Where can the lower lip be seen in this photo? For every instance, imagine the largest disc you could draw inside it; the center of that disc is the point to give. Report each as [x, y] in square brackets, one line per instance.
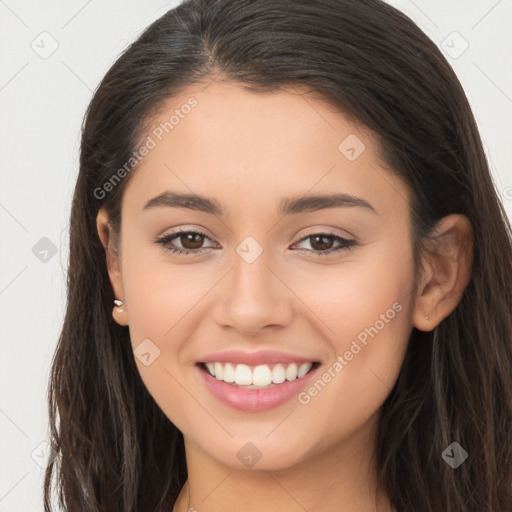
[255, 400]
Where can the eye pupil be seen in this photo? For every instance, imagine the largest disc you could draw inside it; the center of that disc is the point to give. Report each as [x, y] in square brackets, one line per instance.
[323, 245]
[189, 238]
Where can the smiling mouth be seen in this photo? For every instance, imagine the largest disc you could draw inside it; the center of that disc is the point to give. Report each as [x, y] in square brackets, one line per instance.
[257, 377]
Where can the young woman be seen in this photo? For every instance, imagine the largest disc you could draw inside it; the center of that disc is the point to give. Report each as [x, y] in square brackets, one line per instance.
[289, 275]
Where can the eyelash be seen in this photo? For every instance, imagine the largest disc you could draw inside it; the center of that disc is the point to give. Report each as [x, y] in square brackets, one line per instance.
[165, 240]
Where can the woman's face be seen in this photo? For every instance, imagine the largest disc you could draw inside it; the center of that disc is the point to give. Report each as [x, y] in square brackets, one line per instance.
[267, 282]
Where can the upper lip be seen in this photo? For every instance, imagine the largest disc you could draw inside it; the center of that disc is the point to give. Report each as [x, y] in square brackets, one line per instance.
[255, 358]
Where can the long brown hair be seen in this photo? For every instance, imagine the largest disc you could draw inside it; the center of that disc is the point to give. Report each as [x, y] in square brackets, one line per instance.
[116, 450]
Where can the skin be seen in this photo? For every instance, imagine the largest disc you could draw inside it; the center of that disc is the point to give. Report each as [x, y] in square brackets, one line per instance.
[248, 151]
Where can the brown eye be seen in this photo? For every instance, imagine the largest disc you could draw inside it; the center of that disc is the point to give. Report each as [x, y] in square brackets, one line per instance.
[322, 243]
[191, 240]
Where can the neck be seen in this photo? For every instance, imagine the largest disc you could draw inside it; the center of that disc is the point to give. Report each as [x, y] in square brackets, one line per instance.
[343, 474]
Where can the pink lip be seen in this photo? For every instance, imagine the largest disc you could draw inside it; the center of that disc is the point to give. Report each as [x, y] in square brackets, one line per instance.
[254, 400]
[254, 358]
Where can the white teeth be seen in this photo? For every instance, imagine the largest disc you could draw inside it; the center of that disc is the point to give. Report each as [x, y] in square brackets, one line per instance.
[303, 369]
[291, 372]
[229, 373]
[243, 375]
[278, 374]
[218, 370]
[262, 376]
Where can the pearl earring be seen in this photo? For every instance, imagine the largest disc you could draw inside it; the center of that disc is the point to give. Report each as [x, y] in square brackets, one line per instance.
[119, 313]
[119, 303]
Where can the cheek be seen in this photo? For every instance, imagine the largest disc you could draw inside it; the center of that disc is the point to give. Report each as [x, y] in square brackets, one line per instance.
[357, 293]
[164, 302]
[158, 304]
[367, 309]
[159, 292]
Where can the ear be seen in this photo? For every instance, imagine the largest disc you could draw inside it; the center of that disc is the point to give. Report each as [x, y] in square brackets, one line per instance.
[113, 260]
[447, 267]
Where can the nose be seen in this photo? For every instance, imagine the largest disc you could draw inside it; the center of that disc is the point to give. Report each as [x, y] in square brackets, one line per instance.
[253, 298]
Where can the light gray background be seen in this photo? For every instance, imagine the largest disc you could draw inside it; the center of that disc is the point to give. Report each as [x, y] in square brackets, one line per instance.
[42, 101]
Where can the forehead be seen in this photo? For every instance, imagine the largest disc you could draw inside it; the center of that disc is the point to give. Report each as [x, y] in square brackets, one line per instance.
[224, 141]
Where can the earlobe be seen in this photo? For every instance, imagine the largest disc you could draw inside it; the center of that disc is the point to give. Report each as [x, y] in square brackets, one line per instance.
[105, 234]
[447, 271]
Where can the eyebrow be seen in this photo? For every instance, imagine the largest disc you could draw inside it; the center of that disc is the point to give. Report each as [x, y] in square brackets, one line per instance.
[288, 206]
